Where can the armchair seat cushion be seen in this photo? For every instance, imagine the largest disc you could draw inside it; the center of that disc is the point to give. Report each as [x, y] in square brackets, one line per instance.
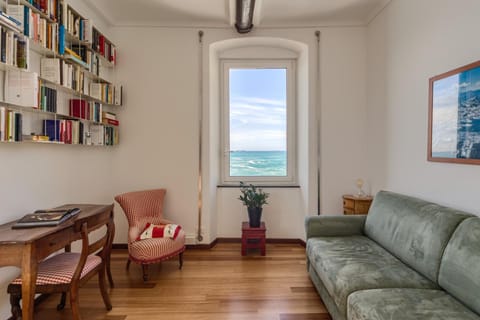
[352, 263]
[406, 304]
[59, 269]
[153, 250]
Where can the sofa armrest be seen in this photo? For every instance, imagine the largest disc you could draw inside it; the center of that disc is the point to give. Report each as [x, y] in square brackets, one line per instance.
[327, 226]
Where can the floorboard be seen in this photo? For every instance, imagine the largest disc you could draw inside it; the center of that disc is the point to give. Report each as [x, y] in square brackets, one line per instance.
[214, 284]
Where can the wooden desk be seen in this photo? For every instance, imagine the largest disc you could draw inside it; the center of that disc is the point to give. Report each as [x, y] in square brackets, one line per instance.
[25, 248]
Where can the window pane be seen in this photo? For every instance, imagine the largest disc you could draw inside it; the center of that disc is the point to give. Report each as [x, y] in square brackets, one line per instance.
[258, 122]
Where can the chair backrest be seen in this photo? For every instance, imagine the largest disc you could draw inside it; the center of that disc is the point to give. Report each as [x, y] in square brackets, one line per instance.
[100, 246]
[142, 207]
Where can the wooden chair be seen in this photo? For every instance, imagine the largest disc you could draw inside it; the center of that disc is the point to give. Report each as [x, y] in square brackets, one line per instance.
[142, 207]
[68, 271]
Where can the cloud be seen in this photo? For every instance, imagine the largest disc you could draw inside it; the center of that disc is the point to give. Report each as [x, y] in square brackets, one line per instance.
[257, 124]
[261, 101]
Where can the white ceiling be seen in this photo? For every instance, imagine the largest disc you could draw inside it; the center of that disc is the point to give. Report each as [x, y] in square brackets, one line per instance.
[221, 13]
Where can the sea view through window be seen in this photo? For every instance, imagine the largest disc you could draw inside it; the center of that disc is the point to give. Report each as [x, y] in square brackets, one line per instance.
[257, 122]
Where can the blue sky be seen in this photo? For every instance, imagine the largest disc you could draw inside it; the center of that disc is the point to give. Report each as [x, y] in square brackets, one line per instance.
[258, 109]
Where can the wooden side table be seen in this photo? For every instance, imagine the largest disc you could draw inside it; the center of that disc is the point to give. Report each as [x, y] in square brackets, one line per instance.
[253, 238]
[356, 205]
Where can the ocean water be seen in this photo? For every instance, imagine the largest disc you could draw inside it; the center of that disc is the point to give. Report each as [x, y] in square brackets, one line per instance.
[258, 163]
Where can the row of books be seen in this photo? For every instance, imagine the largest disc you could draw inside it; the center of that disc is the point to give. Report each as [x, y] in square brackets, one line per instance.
[87, 110]
[38, 29]
[14, 48]
[49, 7]
[52, 36]
[10, 125]
[64, 131]
[75, 24]
[78, 132]
[109, 118]
[66, 74]
[110, 136]
[106, 92]
[104, 47]
[83, 56]
[47, 99]
[72, 76]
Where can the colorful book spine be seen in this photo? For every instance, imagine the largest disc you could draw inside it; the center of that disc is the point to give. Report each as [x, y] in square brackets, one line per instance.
[61, 40]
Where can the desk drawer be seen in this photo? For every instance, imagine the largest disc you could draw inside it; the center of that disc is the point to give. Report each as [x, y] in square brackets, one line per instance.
[55, 242]
[348, 203]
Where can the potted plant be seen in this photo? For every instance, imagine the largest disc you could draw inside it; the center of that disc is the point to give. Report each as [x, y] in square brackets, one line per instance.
[253, 198]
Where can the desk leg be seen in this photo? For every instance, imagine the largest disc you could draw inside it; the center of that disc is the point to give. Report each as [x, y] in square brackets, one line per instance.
[107, 259]
[29, 277]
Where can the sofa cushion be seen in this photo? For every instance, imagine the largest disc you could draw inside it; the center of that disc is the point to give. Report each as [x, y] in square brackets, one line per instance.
[414, 230]
[406, 304]
[349, 264]
[460, 268]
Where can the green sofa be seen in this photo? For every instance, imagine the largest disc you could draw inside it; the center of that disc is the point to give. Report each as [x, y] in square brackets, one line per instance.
[406, 259]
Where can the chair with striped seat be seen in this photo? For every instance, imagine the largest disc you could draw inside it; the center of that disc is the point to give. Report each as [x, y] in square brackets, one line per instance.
[141, 208]
[68, 271]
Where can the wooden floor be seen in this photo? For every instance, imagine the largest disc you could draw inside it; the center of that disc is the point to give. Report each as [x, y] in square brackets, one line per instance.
[213, 284]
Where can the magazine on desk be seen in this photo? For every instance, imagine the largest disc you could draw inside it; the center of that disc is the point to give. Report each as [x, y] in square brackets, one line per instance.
[46, 218]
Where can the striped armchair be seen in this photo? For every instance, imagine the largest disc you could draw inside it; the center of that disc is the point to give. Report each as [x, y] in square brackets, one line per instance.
[142, 207]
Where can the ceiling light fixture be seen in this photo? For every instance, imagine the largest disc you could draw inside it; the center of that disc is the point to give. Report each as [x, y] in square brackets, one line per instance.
[244, 15]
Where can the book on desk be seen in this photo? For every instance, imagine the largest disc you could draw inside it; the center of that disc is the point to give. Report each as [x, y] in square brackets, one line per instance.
[45, 218]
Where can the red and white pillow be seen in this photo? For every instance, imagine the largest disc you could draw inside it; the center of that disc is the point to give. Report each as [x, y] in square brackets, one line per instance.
[160, 231]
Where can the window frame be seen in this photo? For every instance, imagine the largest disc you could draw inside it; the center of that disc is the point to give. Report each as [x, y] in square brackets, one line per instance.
[290, 66]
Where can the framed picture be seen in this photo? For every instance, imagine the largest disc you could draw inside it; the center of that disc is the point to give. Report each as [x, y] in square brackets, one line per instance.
[454, 116]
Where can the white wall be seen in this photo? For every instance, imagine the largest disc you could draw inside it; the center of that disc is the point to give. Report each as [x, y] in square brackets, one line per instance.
[159, 68]
[159, 134]
[409, 42]
[43, 176]
[343, 116]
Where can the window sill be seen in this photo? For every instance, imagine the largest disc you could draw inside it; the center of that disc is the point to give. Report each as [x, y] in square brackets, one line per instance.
[278, 186]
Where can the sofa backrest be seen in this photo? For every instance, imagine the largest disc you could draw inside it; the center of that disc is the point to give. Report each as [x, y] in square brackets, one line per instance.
[414, 230]
[460, 266]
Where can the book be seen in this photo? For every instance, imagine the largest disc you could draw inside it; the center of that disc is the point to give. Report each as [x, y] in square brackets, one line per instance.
[79, 108]
[3, 121]
[97, 135]
[22, 53]
[51, 128]
[110, 122]
[50, 69]
[17, 12]
[21, 88]
[61, 39]
[109, 115]
[46, 218]
[17, 135]
[118, 93]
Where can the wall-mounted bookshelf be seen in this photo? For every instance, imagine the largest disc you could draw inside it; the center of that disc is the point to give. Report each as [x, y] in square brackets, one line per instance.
[65, 95]
[104, 48]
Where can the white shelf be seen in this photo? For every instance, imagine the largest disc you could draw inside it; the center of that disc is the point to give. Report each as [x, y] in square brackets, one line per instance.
[33, 122]
[74, 92]
[34, 9]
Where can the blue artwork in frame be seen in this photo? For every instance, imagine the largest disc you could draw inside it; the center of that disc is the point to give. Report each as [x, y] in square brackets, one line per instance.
[454, 116]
